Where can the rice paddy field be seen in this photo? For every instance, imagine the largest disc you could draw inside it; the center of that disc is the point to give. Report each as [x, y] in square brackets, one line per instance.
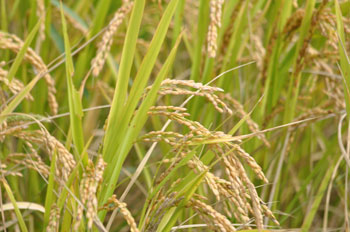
[174, 115]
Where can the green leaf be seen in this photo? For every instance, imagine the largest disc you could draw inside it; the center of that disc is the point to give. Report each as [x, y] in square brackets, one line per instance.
[114, 167]
[200, 35]
[121, 112]
[75, 107]
[148, 62]
[141, 78]
[166, 218]
[112, 132]
[316, 203]
[344, 60]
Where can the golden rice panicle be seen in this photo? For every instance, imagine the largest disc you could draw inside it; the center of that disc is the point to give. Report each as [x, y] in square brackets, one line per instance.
[233, 189]
[127, 216]
[95, 180]
[217, 218]
[65, 160]
[123, 210]
[100, 167]
[197, 166]
[167, 111]
[9, 128]
[212, 40]
[92, 177]
[84, 193]
[229, 30]
[172, 138]
[255, 200]
[15, 86]
[36, 161]
[180, 87]
[54, 219]
[13, 43]
[244, 194]
[215, 23]
[173, 108]
[251, 162]
[229, 190]
[7, 172]
[28, 160]
[107, 38]
[258, 50]
[91, 200]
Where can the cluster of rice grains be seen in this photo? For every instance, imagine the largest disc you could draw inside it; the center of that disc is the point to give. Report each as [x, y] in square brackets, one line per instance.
[17, 126]
[321, 63]
[237, 193]
[15, 86]
[323, 60]
[54, 220]
[41, 138]
[92, 177]
[215, 23]
[107, 38]
[13, 43]
[114, 203]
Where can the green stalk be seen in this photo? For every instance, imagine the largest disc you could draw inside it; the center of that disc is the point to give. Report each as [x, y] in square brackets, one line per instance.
[75, 105]
[120, 93]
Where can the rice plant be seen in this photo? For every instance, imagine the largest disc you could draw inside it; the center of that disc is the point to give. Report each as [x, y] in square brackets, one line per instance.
[174, 115]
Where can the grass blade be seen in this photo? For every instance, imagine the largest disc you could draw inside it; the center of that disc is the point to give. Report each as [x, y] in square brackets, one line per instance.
[120, 93]
[75, 107]
[142, 76]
